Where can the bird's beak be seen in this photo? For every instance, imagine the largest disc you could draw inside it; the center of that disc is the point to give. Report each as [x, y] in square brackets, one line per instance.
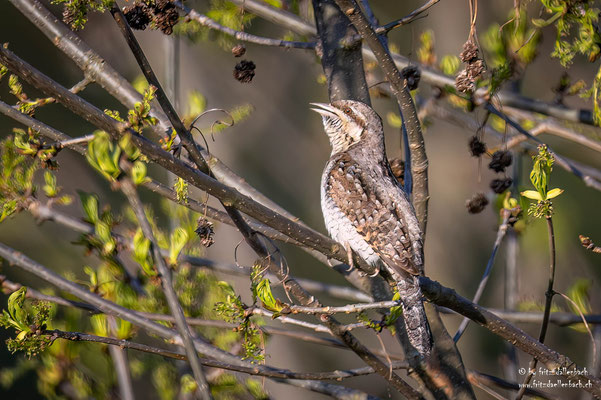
[325, 109]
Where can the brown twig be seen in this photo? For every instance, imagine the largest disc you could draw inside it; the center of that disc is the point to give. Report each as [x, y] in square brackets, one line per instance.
[406, 19]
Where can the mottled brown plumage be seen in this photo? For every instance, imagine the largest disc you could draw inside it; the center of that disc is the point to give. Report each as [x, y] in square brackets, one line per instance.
[367, 211]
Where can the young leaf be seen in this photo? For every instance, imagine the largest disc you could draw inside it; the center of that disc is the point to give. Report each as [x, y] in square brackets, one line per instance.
[554, 193]
[266, 296]
[138, 173]
[179, 238]
[50, 188]
[532, 194]
[89, 203]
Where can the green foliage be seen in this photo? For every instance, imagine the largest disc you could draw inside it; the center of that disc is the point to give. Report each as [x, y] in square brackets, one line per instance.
[142, 253]
[575, 22]
[197, 104]
[514, 43]
[179, 239]
[50, 188]
[263, 293]
[28, 323]
[75, 12]
[225, 13]
[138, 173]
[425, 51]
[102, 239]
[103, 155]
[579, 294]
[449, 64]
[539, 176]
[16, 178]
[181, 190]
[233, 310]
[139, 117]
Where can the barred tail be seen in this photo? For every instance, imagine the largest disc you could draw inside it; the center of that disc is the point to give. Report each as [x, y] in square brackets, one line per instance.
[414, 314]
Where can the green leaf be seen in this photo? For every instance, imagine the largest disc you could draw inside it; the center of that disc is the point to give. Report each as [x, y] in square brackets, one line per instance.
[554, 193]
[99, 324]
[266, 296]
[138, 173]
[142, 253]
[197, 104]
[103, 155]
[103, 232]
[579, 293]
[50, 188]
[8, 209]
[89, 203]
[449, 64]
[394, 120]
[532, 194]
[181, 191]
[179, 238]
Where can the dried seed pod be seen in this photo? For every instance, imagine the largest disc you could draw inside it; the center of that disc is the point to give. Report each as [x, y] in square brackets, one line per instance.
[470, 51]
[165, 16]
[477, 147]
[244, 71]
[501, 159]
[238, 50]
[477, 203]
[500, 185]
[463, 83]
[205, 232]
[138, 16]
[412, 75]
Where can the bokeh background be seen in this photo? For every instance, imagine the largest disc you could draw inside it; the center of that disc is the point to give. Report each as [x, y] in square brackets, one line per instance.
[281, 150]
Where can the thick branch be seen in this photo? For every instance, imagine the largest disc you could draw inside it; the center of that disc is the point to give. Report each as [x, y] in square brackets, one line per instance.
[553, 360]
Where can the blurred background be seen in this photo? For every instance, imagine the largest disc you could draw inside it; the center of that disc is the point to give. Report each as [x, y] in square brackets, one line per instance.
[280, 149]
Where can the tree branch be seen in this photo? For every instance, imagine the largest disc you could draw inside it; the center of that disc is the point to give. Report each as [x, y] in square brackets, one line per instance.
[406, 19]
[553, 360]
[429, 75]
[203, 20]
[128, 188]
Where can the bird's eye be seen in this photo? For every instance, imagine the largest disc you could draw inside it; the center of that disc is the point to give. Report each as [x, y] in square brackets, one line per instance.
[347, 110]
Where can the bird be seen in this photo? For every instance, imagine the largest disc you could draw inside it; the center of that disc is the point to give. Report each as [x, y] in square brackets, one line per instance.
[366, 210]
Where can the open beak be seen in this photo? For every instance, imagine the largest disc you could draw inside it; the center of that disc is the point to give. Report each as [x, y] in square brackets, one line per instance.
[325, 109]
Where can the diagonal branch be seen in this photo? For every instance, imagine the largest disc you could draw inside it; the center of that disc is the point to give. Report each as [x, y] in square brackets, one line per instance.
[553, 360]
[203, 20]
[406, 19]
[129, 189]
[224, 193]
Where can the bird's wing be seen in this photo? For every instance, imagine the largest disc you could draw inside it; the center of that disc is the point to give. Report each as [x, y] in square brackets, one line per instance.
[373, 212]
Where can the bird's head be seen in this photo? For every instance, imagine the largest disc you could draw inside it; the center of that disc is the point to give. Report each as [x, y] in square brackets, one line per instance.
[347, 122]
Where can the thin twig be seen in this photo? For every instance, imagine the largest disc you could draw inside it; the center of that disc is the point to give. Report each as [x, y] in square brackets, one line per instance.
[348, 308]
[270, 372]
[406, 19]
[128, 188]
[491, 260]
[587, 327]
[203, 20]
[548, 300]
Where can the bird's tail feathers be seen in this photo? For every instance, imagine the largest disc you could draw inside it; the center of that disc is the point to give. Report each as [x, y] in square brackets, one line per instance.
[414, 315]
